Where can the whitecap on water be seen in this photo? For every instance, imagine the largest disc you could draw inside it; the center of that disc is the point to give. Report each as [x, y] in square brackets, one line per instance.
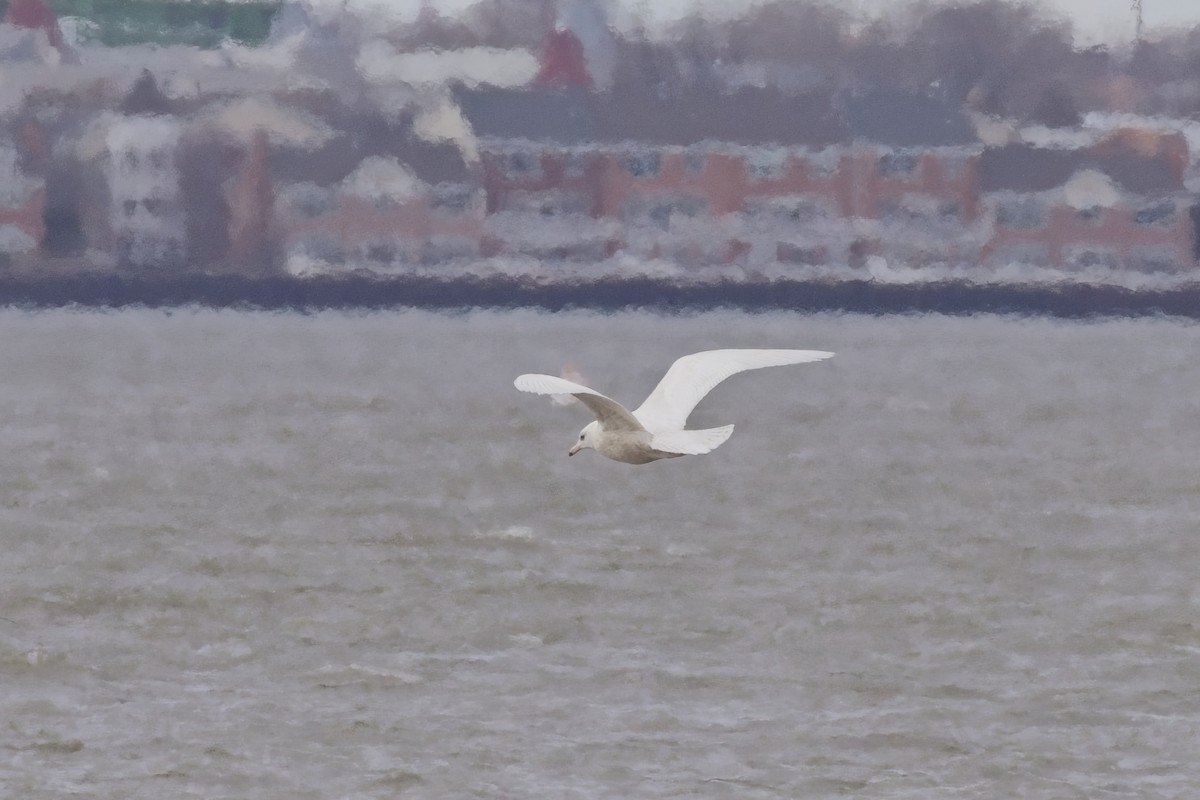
[522, 533]
[332, 676]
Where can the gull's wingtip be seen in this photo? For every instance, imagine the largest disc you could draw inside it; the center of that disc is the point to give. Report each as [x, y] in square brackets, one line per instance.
[536, 383]
[798, 356]
[528, 382]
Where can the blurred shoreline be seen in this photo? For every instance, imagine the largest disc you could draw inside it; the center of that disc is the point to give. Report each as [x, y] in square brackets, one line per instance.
[279, 293]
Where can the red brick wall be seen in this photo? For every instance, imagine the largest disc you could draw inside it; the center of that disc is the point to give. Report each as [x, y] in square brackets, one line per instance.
[28, 217]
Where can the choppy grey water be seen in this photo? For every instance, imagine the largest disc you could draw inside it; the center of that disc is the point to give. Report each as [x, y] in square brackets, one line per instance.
[252, 555]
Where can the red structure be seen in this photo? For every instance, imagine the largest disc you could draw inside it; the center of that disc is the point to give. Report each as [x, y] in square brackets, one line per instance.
[563, 63]
[34, 14]
[27, 217]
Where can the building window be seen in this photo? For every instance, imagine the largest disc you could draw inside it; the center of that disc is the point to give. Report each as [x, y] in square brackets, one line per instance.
[953, 167]
[1160, 214]
[897, 165]
[1153, 259]
[382, 202]
[694, 163]
[452, 198]
[789, 253]
[323, 247]
[643, 165]
[1021, 212]
[309, 200]
[686, 207]
[546, 203]
[919, 208]
[381, 252]
[522, 165]
[574, 165]
[1081, 258]
[765, 165]
[660, 211]
[823, 164]
[949, 210]
[789, 209]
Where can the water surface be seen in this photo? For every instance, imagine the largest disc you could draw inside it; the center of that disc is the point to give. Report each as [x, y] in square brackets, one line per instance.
[339, 556]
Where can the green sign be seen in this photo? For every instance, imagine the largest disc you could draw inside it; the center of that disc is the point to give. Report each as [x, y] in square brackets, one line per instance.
[199, 23]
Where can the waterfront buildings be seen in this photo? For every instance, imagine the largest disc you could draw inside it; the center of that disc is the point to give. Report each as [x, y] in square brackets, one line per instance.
[271, 155]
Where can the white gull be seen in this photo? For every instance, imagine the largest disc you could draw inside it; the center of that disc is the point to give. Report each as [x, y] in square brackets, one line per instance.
[654, 430]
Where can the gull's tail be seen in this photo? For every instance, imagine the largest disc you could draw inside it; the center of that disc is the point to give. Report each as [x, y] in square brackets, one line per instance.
[691, 443]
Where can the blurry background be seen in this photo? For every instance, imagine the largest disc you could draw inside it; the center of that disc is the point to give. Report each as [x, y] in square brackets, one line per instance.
[576, 139]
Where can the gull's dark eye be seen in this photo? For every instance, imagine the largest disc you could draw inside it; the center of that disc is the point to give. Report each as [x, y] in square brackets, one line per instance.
[581, 437]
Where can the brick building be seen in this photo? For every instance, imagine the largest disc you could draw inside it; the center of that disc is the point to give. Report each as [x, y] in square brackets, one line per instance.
[22, 204]
[1118, 204]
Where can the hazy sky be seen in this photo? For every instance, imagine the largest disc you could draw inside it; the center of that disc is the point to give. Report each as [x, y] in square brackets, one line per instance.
[1095, 20]
[1110, 20]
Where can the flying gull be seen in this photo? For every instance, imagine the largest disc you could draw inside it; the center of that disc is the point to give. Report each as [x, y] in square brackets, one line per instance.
[654, 430]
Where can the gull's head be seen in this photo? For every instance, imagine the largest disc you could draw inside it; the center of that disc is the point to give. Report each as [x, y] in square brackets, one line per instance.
[587, 438]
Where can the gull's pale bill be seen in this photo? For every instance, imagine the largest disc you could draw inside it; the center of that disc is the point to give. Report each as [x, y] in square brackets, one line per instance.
[654, 430]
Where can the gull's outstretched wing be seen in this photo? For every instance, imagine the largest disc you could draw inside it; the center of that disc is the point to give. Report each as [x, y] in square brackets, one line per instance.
[690, 378]
[612, 415]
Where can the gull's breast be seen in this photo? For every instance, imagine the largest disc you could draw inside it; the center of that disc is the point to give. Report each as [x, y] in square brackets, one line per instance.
[630, 447]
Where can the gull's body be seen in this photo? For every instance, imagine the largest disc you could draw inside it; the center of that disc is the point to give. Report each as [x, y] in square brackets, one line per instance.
[654, 430]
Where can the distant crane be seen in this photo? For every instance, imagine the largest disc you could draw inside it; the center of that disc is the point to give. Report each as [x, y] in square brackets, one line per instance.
[1137, 17]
